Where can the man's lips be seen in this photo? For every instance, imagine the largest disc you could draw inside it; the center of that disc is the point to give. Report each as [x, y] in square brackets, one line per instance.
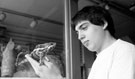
[86, 43]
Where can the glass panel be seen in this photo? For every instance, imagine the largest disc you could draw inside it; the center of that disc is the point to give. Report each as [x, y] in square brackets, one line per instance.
[73, 69]
[31, 27]
[67, 43]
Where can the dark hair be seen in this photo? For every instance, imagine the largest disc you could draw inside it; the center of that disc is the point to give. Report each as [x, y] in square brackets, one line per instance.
[96, 15]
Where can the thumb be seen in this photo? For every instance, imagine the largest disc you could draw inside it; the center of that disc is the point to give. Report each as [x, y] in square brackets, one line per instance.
[33, 63]
[48, 62]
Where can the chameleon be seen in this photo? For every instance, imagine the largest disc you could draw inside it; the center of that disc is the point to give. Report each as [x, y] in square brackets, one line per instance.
[40, 51]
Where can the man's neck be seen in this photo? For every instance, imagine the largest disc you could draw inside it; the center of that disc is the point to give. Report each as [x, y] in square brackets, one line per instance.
[108, 40]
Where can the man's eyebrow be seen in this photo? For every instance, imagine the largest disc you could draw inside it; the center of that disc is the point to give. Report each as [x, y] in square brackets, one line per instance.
[82, 25]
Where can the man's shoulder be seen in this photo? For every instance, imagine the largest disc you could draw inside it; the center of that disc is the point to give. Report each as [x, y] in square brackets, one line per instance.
[125, 44]
[125, 48]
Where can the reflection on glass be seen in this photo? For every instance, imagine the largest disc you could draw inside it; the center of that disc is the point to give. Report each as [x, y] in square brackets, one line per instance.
[31, 27]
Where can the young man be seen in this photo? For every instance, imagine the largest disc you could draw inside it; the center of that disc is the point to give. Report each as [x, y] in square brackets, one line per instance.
[115, 57]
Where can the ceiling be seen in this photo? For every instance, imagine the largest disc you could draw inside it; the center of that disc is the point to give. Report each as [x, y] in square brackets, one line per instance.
[52, 14]
[52, 11]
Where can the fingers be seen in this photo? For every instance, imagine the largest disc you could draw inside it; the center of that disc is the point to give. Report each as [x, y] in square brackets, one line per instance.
[47, 62]
[33, 63]
[47, 59]
[36, 66]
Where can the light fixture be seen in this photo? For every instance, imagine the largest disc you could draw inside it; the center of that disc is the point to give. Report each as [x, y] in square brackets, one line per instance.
[107, 7]
[132, 7]
[2, 16]
[104, 5]
[33, 23]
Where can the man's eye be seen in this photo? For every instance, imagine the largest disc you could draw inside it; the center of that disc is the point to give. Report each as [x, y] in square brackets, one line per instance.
[84, 27]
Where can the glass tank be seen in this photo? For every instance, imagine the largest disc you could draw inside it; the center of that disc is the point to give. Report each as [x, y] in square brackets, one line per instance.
[34, 28]
[42, 31]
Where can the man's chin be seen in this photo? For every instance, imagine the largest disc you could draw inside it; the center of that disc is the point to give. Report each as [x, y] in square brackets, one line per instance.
[91, 49]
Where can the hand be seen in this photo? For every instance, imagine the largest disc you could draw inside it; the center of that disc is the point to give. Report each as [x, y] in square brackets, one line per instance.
[47, 71]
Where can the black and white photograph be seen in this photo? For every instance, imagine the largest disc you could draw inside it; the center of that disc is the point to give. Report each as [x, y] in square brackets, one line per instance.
[67, 39]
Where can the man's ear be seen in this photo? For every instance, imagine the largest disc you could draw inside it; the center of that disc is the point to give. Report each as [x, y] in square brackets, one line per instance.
[105, 25]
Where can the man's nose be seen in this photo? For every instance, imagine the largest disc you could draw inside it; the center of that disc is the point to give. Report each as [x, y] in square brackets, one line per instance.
[81, 36]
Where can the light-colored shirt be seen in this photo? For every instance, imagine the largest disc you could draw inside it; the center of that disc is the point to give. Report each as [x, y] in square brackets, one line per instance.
[115, 62]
